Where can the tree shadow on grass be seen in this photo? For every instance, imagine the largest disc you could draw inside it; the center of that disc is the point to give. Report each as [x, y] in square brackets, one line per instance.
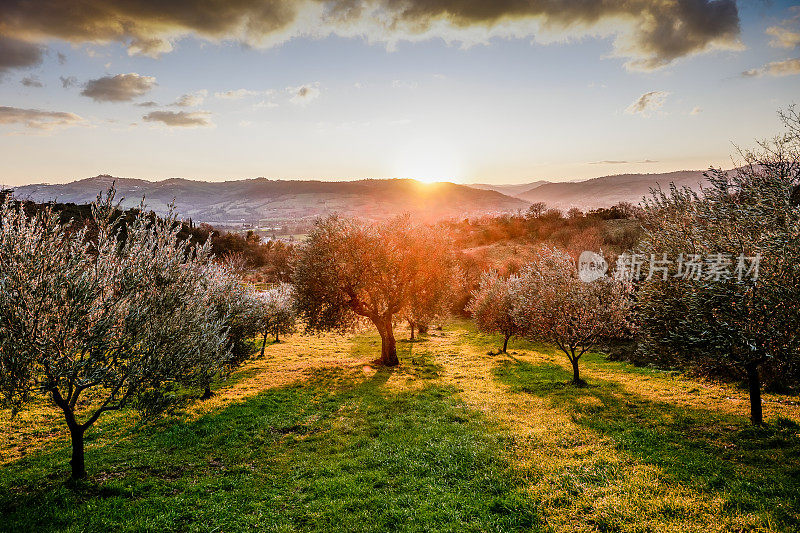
[337, 452]
[754, 469]
[415, 361]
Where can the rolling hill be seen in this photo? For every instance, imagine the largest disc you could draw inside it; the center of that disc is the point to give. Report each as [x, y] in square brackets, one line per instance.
[609, 190]
[510, 190]
[253, 200]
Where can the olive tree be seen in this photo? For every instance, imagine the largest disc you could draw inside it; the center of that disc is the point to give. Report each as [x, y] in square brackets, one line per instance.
[233, 303]
[493, 306]
[95, 324]
[349, 270]
[275, 312]
[555, 306]
[739, 306]
[430, 301]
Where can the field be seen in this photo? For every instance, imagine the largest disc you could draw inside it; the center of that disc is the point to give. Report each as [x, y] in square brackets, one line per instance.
[315, 437]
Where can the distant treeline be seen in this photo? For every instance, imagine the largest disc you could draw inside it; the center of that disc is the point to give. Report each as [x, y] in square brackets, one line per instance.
[263, 261]
[613, 229]
[479, 241]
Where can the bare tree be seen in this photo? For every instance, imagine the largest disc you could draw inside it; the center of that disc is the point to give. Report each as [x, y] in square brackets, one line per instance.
[536, 210]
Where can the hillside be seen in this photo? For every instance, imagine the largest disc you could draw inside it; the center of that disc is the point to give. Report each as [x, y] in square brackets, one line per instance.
[510, 190]
[314, 437]
[254, 200]
[609, 190]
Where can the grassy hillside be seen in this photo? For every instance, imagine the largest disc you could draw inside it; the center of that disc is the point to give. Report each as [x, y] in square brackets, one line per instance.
[313, 437]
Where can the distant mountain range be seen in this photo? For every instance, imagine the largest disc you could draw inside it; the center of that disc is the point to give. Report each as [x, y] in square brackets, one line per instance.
[510, 190]
[599, 192]
[609, 190]
[256, 200]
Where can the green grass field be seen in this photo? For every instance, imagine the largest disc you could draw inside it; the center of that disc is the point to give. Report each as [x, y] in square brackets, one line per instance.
[313, 438]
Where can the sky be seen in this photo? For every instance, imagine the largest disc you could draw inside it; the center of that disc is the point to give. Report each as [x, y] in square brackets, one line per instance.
[469, 91]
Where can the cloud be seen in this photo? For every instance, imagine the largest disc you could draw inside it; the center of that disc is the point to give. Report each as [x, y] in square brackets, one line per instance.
[400, 84]
[696, 111]
[787, 34]
[236, 94]
[62, 59]
[783, 37]
[647, 103]
[649, 33]
[181, 119]
[149, 103]
[15, 53]
[119, 88]
[37, 119]
[31, 81]
[621, 162]
[303, 94]
[69, 81]
[787, 67]
[191, 99]
[266, 104]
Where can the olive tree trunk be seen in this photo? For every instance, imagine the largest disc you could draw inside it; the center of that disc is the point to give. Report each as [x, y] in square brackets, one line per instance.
[576, 376]
[754, 382]
[76, 432]
[77, 462]
[264, 344]
[388, 344]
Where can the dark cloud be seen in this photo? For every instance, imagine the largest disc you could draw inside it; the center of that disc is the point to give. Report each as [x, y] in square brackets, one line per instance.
[119, 88]
[31, 81]
[788, 67]
[15, 53]
[37, 119]
[651, 33]
[182, 119]
[149, 103]
[69, 81]
[62, 59]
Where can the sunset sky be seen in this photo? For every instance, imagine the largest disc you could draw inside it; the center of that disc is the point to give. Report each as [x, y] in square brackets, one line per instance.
[460, 90]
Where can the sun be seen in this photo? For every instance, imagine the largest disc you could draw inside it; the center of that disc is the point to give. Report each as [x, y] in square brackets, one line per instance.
[429, 162]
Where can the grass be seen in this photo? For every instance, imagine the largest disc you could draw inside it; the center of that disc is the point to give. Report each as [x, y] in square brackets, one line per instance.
[338, 450]
[754, 471]
[314, 438]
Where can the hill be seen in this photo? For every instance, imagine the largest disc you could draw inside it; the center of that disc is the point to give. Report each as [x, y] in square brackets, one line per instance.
[254, 200]
[510, 190]
[609, 190]
[313, 437]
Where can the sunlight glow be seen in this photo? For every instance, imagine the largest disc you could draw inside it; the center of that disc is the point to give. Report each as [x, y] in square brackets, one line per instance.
[429, 161]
